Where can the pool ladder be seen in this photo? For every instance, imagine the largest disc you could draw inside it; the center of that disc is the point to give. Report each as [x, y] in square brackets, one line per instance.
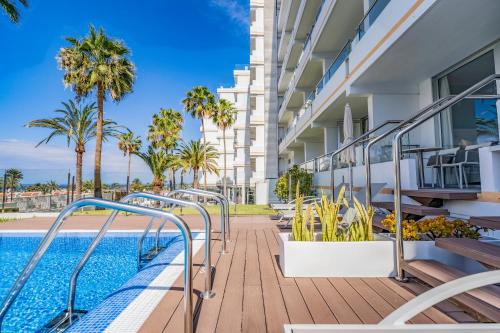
[64, 320]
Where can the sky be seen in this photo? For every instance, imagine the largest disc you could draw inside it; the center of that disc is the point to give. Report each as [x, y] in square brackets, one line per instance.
[175, 45]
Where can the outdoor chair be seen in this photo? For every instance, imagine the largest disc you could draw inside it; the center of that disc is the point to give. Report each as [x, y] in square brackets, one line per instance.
[444, 156]
[467, 157]
[434, 163]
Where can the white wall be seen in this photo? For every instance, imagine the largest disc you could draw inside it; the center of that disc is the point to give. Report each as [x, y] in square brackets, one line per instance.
[383, 107]
[313, 149]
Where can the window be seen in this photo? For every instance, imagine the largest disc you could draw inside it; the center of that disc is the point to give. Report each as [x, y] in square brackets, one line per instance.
[474, 120]
[253, 164]
[253, 133]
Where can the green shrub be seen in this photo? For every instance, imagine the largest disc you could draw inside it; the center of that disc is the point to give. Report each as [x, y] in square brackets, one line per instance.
[303, 221]
[298, 176]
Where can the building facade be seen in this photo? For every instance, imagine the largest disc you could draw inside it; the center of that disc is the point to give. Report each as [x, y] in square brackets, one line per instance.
[389, 59]
[251, 143]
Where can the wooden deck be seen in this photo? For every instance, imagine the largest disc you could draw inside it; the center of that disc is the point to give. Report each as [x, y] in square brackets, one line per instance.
[253, 296]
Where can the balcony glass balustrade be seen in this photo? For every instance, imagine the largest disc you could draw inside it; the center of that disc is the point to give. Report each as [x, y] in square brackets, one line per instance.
[376, 8]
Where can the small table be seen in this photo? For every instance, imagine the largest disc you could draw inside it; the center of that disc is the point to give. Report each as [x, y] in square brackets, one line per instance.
[419, 152]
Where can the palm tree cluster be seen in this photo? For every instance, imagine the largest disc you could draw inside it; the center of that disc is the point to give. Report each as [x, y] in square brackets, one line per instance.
[45, 188]
[99, 66]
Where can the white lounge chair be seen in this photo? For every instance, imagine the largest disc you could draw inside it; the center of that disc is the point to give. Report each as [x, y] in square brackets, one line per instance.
[396, 321]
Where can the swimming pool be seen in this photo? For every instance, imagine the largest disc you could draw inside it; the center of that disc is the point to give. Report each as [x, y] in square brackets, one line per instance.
[45, 295]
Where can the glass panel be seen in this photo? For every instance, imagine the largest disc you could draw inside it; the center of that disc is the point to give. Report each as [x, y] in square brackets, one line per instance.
[471, 121]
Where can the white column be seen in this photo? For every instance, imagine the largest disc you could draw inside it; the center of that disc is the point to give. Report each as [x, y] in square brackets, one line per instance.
[330, 137]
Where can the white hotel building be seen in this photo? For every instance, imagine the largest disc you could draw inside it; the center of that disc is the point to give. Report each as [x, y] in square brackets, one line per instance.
[387, 59]
[252, 140]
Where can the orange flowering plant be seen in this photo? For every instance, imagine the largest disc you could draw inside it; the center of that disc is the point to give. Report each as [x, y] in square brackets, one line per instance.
[437, 227]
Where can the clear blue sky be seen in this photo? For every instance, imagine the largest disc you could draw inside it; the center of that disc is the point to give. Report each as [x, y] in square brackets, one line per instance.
[175, 46]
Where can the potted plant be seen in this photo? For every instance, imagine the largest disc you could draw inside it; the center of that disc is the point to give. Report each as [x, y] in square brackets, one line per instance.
[345, 247]
[419, 237]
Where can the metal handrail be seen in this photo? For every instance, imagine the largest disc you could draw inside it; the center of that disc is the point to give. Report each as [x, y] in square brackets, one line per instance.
[223, 208]
[396, 153]
[341, 149]
[141, 241]
[384, 135]
[438, 294]
[207, 293]
[226, 204]
[116, 206]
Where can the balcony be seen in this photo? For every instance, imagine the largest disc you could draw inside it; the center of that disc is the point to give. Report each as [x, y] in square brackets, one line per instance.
[370, 17]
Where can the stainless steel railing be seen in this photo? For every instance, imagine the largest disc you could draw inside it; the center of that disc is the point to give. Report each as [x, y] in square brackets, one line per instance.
[224, 209]
[354, 142]
[380, 137]
[116, 206]
[207, 293]
[226, 203]
[396, 153]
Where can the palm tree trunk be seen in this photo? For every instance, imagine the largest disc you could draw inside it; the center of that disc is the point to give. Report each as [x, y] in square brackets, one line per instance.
[11, 188]
[225, 158]
[98, 141]
[79, 163]
[195, 177]
[204, 171]
[128, 172]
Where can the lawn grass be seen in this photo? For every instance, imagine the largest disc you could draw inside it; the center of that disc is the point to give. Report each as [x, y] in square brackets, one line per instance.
[5, 219]
[212, 209]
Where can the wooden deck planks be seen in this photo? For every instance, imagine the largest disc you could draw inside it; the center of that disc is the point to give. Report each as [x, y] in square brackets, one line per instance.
[274, 304]
[209, 314]
[231, 312]
[364, 310]
[394, 299]
[254, 319]
[317, 306]
[340, 308]
[176, 322]
[434, 314]
[253, 296]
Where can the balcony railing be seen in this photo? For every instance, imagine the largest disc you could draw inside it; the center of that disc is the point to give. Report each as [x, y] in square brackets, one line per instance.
[339, 60]
[370, 16]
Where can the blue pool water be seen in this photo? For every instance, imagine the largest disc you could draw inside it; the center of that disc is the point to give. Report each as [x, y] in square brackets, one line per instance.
[45, 295]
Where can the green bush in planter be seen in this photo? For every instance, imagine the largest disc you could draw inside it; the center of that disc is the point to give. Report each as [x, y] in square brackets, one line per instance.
[298, 176]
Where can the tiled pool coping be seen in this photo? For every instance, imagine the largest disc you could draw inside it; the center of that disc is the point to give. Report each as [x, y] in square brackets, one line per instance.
[126, 309]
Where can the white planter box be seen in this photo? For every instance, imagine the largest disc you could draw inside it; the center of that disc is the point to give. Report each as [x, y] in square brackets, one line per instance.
[361, 259]
[336, 259]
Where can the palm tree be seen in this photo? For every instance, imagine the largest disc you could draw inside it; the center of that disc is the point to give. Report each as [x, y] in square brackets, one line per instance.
[176, 163]
[11, 10]
[14, 177]
[97, 63]
[129, 144]
[165, 129]
[200, 103]
[164, 132]
[224, 117]
[198, 156]
[158, 162]
[77, 123]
